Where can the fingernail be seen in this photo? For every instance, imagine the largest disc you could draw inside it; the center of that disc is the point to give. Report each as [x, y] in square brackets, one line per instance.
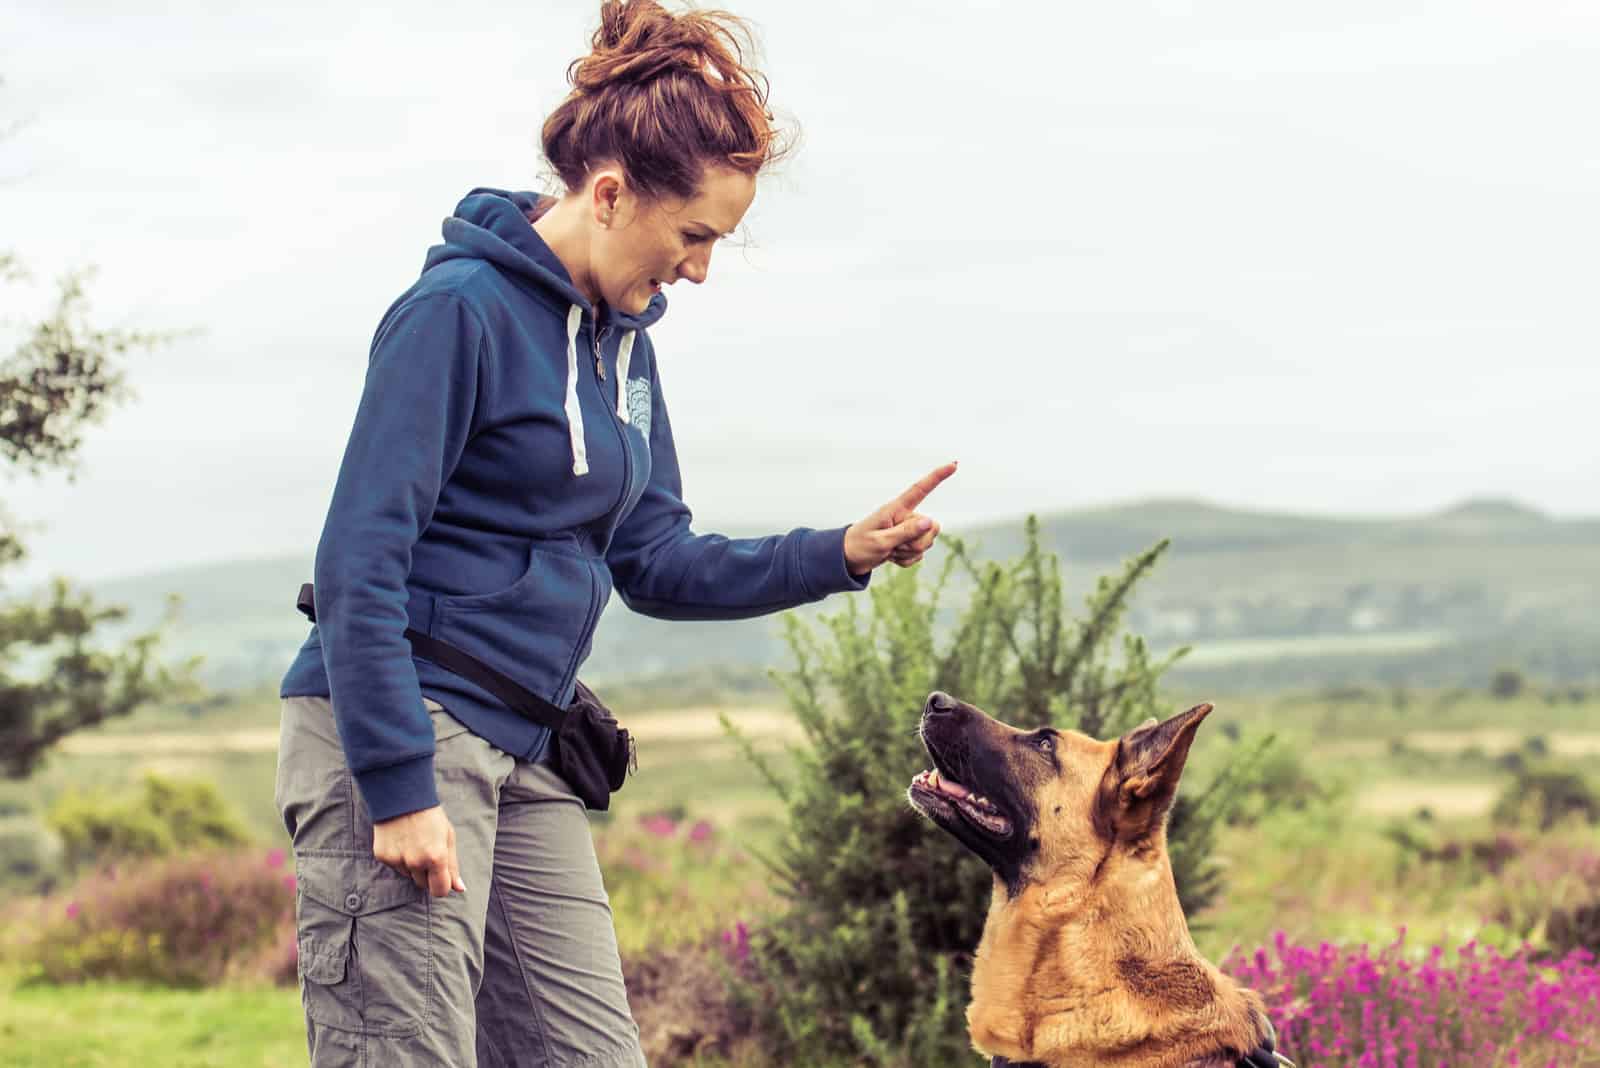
[925, 524]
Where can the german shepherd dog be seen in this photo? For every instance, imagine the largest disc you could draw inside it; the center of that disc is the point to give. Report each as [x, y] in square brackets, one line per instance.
[1085, 958]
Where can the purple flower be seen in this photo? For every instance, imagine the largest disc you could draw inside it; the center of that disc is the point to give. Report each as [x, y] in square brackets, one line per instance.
[661, 826]
[1390, 1009]
[736, 939]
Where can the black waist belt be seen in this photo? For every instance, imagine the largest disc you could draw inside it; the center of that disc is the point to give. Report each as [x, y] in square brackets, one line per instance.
[519, 698]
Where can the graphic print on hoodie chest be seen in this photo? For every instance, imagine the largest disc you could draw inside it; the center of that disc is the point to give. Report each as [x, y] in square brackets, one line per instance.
[639, 406]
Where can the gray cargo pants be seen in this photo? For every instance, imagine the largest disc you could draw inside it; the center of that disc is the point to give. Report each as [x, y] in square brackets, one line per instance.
[522, 969]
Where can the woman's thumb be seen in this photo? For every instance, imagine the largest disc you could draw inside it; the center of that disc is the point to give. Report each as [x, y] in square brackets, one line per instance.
[910, 528]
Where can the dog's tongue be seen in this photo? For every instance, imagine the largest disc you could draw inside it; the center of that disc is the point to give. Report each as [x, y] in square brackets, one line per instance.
[945, 786]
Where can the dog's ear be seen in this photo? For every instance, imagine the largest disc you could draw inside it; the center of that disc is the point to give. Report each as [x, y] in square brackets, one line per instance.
[1139, 785]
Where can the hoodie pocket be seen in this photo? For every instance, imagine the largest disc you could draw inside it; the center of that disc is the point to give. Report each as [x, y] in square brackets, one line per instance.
[538, 629]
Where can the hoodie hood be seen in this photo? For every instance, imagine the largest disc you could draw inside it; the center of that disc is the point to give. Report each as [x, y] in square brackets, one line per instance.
[496, 225]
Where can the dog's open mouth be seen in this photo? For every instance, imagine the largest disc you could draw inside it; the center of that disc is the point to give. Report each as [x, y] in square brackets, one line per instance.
[937, 795]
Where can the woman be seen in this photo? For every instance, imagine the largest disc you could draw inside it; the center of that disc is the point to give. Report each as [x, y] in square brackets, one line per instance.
[510, 464]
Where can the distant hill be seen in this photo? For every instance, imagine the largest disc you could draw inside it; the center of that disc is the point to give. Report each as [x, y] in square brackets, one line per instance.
[1266, 599]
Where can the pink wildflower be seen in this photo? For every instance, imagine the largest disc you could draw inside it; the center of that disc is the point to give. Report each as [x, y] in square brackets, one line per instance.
[659, 825]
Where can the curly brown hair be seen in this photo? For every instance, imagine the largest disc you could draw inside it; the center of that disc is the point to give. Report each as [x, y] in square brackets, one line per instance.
[663, 96]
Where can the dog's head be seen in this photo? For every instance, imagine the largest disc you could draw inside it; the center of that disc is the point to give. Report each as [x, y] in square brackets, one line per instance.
[1034, 803]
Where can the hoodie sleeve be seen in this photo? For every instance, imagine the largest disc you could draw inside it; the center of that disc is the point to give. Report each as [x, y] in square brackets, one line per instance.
[661, 568]
[411, 426]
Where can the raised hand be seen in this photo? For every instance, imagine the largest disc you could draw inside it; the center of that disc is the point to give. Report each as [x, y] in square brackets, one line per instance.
[897, 531]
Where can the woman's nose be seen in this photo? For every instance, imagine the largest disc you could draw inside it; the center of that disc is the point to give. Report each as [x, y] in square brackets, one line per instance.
[695, 269]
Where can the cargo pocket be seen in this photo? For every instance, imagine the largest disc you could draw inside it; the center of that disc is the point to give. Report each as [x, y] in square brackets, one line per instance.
[364, 945]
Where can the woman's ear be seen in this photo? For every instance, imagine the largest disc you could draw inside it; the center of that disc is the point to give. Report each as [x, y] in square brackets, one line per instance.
[606, 189]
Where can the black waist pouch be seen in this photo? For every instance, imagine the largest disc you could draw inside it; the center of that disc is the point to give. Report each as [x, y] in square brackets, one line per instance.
[589, 749]
[592, 751]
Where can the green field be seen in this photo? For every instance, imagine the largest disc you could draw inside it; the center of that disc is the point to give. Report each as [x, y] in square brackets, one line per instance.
[1330, 871]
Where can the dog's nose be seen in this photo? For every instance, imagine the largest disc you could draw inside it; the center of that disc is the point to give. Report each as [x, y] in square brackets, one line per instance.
[941, 702]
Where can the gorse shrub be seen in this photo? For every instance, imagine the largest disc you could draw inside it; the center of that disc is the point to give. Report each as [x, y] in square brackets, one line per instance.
[871, 954]
[181, 921]
[164, 816]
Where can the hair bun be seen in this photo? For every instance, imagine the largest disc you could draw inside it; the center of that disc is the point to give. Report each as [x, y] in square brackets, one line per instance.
[639, 40]
[665, 95]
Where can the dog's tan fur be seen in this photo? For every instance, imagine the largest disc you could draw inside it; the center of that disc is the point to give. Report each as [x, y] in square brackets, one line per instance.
[1086, 957]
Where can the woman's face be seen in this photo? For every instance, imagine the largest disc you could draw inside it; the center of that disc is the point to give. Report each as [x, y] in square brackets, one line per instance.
[652, 243]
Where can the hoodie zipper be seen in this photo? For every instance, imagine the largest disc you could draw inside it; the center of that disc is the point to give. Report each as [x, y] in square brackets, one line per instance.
[593, 616]
[589, 621]
[616, 425]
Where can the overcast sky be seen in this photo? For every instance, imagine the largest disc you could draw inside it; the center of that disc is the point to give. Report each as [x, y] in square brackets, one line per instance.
[1335, 257]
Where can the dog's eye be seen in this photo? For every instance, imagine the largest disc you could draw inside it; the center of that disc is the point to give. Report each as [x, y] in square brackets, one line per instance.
[1046, 743]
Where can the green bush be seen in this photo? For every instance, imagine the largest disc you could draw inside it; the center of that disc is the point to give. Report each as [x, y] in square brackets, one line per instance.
[1507, 683]
[164, 816]
[30, 855]
[882, 912]
[1280, 780]
[1546, 796]
[192, 920]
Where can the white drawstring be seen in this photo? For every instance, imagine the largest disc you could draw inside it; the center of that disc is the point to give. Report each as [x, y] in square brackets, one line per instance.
[580, 455]
[624, 354]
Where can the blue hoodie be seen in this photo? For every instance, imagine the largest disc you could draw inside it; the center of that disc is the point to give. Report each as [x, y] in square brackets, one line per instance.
[509, 464]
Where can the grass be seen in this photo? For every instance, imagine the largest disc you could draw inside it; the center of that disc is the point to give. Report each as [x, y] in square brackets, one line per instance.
[100, 1025]
[118, 1025]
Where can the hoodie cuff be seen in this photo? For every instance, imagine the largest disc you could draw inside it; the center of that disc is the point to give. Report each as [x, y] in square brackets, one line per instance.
[822, 565]
[399, 788]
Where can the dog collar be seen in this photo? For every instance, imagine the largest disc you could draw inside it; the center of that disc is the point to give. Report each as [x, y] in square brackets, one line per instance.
[1263, 1056]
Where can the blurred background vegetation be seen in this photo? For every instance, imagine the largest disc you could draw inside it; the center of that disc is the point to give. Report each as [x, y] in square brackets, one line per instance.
[776, 901]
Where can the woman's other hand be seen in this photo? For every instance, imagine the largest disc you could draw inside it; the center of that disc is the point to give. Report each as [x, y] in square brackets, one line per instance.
[897, 531]
[421, 845]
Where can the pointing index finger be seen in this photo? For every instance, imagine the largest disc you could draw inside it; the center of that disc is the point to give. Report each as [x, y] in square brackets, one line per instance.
[925, 485]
